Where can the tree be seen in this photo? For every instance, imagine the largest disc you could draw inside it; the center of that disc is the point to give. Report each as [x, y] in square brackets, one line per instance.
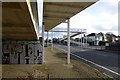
[109, 37]
[89, 41]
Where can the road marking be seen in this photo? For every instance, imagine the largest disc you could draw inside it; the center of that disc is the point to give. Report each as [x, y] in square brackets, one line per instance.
[108, 75]
[92, 62]
[97, 64]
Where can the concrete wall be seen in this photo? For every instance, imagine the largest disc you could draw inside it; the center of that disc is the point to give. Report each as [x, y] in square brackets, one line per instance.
[21, 52]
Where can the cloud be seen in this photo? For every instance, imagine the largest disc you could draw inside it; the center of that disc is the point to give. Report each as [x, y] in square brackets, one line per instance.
[100, 17]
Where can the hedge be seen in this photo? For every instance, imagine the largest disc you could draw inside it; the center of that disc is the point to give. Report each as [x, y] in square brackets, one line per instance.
[102, 43]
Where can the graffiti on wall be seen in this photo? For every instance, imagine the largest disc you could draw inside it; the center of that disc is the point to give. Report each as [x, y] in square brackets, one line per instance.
[27, 52]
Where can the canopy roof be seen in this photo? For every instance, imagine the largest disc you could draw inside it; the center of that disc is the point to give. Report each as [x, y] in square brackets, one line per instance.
[20, 19]
[17, 23]
[57, 12]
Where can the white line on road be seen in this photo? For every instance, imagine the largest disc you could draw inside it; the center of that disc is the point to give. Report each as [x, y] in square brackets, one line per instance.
[97, 64]
[92, 62]
[107, 75]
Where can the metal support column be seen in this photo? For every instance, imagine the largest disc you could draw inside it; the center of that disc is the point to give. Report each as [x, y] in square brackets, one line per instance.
[81, 39]
[86, 39]
[43, 28]
[47, 39]
[52, 40]
[68, 42]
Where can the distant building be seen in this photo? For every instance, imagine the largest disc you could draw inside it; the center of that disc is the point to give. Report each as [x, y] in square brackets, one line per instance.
[112, 38]
[94, 38]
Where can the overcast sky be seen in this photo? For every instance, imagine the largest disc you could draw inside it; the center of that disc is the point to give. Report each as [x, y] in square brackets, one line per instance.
[99, 17]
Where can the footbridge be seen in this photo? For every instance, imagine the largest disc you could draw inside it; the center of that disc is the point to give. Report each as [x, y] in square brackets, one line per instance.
[73, 31]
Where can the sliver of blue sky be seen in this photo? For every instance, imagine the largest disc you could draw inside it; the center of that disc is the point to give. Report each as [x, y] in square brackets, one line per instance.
[99, 17]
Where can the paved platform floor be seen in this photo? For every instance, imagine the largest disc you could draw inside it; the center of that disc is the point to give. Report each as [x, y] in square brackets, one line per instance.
[58, 68]
[55, 66]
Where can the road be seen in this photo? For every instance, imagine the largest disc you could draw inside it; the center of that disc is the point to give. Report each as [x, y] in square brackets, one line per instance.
[106, 59]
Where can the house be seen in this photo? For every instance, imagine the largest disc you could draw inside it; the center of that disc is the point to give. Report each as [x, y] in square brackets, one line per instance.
[94, 38]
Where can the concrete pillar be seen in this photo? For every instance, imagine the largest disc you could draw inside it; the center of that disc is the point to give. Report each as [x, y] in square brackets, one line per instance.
[68, 41]
[43, 29]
